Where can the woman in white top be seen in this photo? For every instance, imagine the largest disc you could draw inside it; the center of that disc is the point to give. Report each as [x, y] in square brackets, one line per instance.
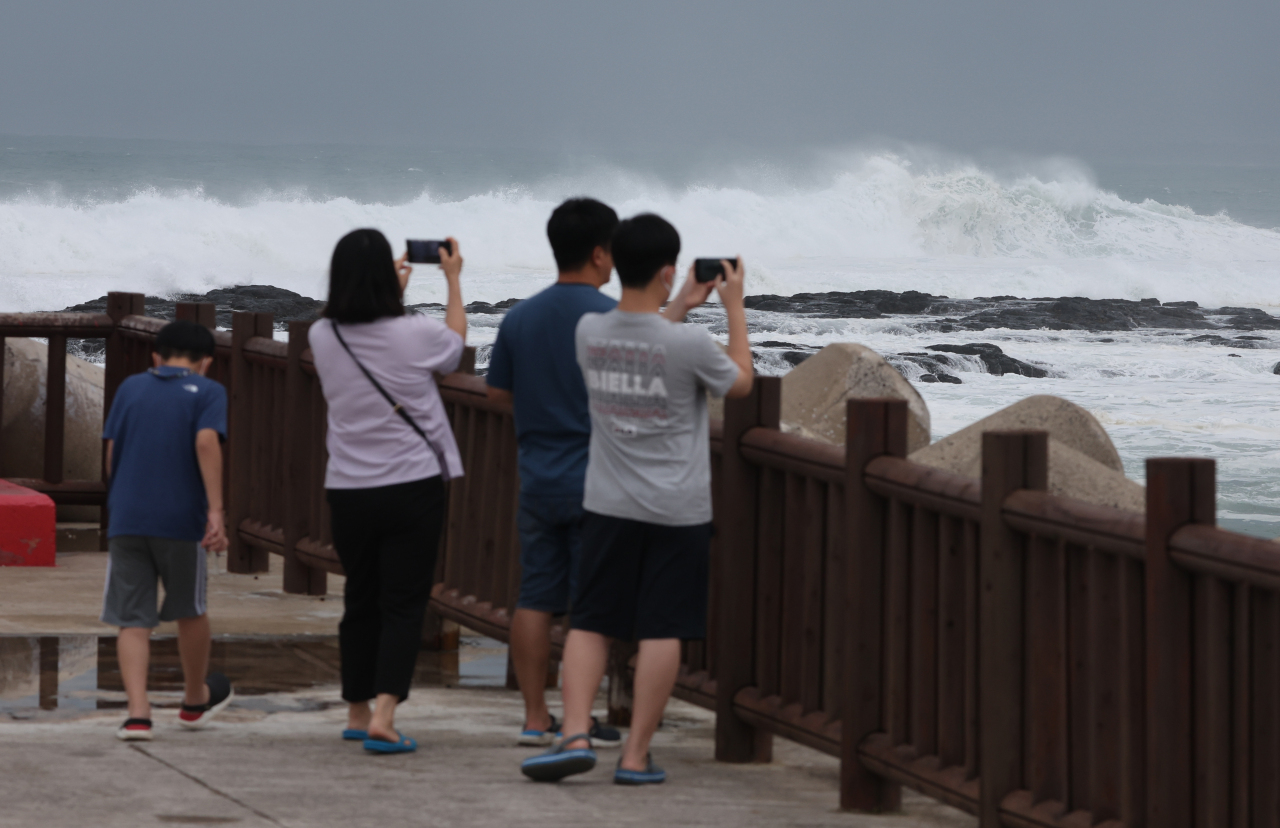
[390, 451]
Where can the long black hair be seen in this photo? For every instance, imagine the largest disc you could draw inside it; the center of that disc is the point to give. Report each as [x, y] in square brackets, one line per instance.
[362, 279]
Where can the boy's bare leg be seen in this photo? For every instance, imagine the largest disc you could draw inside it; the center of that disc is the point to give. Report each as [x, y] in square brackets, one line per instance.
[133, 651]
[586, 655]
[194, 644]
[531, 657]
[382, 723]
[657, 666]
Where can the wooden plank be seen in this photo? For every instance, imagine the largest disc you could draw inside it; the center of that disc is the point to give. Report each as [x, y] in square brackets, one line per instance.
[1081, 670]
[1011, 460]
[792, 453]
[810, 643]
[897, 623]
[1265, 734]
[875, 427]
[55, 408]
[240, 557]
[769, 582]
[1179, 491]
[1133, 689]
[922, 707]
[834, 607]
[1102, 527]
[736, 739]
[1046, 772]
[1106, 719]
[971, 694]
[793, 587]
[1227, 555]
[1241, 714]
[951, 641]
[1212, 701]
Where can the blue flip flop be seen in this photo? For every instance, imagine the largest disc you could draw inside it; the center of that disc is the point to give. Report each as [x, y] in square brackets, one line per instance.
[559, 761]
[353, 735]
[403, 745]
[651, 775]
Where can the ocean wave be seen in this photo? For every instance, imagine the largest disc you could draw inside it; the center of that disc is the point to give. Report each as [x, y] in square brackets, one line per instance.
[878, 220]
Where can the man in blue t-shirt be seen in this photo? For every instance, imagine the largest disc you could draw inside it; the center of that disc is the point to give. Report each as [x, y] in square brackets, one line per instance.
[534, 366]
[164, 458]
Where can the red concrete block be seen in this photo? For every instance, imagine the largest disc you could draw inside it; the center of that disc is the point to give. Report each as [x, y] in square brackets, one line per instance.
[28, 527]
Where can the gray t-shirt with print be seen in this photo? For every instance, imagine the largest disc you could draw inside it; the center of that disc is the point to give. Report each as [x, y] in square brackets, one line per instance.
[647, 381]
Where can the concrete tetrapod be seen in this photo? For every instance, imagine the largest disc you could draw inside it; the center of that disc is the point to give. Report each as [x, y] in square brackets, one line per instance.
[815, 391]
[1083, 462]
[22, 430]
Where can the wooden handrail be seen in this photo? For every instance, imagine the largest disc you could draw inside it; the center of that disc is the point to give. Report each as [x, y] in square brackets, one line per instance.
[942, 491]
[74, 325]
[1227, 555]
[1102, 527]
[791, 452]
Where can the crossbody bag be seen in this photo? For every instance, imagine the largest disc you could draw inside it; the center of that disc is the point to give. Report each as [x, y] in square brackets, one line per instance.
[395, 406]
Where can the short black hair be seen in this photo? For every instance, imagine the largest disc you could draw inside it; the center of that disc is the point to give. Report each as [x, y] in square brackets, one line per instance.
[643, 245]
[576, 228]
[362, 279]
[185, 340]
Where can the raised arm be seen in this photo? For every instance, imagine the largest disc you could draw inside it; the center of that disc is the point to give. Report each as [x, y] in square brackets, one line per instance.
[739, 346]
[455, 313]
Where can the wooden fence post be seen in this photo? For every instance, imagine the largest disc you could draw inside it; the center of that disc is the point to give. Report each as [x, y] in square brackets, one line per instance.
[201, 313]
[736, 518]
[873, 427]
[1011, 460]
[298, 444]
[1179, 491]
[119, 305]
[55, 408]
[242, 558]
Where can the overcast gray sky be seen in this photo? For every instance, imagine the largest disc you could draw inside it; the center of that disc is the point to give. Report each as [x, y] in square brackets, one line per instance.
[1167, 78]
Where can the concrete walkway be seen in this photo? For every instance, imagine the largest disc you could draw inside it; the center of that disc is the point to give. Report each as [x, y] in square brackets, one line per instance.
[277, 759]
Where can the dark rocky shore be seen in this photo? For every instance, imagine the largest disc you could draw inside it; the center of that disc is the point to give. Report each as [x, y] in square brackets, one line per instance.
[921, 311]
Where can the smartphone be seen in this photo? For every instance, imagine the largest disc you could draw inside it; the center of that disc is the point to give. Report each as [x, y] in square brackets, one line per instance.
[709, 270]
[427, 252]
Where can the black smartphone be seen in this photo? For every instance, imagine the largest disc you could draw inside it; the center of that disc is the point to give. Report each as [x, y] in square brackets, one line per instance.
[709, 270]
[427, 252]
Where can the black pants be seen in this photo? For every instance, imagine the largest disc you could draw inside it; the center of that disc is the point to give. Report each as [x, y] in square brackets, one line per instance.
[387, 538]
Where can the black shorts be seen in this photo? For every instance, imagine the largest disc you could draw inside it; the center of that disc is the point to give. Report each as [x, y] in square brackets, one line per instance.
[642, 580]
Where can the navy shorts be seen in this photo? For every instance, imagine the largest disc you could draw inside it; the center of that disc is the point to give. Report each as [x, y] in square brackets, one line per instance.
[642, 580]
[550, 545]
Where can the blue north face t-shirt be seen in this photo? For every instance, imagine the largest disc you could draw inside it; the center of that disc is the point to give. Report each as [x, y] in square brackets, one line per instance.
[535, 359]
[156, 487]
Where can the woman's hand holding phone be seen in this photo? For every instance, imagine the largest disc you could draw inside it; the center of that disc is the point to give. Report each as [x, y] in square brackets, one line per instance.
[451, 259]
[403, 271]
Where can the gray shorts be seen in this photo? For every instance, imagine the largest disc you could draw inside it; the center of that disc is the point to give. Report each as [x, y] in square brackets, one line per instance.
[135, 564]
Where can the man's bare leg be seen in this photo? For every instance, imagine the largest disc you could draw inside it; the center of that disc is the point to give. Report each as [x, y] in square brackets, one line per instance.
[657, 666]
[194, 644]
[585, 657]
[531, 657]
[133, 651]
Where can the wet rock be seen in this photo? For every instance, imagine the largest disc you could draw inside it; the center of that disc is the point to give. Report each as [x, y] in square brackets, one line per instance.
[858, 304]
[1275, 369]
[1251, 342]
[814, 393]
[1248, 319]
[935, 367]
[996, 360]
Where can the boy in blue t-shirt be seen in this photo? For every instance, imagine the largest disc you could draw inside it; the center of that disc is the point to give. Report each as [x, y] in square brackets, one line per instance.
[164, 459]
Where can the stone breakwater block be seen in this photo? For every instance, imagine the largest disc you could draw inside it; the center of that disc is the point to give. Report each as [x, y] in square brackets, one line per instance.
[815, 391]
[1083, 462]
[27, 527]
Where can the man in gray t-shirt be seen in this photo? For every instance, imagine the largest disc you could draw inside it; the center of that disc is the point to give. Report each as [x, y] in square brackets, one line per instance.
[646, 535]
[647, 380]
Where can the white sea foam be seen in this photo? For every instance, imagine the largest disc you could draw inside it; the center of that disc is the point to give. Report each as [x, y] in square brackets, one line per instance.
[878, 221]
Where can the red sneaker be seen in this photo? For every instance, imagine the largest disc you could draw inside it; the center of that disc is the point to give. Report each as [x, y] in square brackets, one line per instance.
[196, 716]
[135, 730]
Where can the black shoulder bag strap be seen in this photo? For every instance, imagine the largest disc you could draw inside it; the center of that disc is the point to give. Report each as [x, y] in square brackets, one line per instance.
[395, 406]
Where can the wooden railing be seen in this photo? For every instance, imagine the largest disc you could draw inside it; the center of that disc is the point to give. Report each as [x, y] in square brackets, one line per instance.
[1031, 659]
